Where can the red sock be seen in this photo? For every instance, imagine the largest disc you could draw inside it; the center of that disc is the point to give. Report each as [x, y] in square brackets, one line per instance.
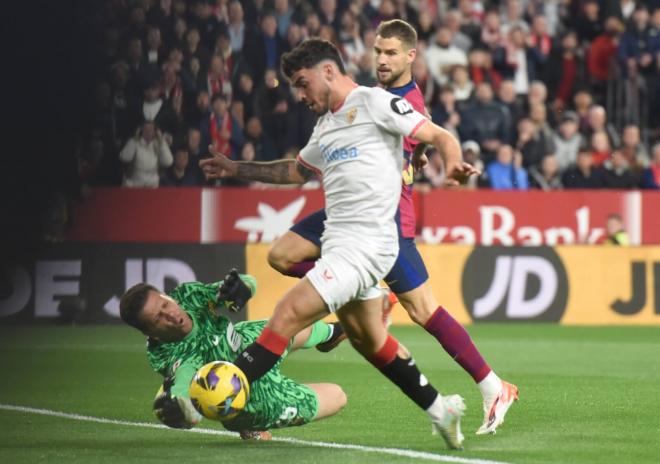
[457, 343]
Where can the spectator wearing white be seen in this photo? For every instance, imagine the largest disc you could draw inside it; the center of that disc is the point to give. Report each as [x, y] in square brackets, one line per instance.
[567, 140]
[236, 27]
[546, 176]
[441, 56]
[144, 155]
[454, 20]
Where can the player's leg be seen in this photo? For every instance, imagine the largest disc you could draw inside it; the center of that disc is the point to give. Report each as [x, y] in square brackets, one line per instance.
[322, 335]
[331, 399]
[295, 252]
[409, 280]
[363, 325]
[300, 307]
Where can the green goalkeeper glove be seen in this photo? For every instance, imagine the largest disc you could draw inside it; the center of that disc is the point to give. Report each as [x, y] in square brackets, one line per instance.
[174, 411]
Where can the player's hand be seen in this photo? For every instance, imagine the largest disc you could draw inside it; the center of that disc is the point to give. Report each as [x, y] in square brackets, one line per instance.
[174, 411]
[233, 292]
[459, 173]
[419, 159]
[217, 167]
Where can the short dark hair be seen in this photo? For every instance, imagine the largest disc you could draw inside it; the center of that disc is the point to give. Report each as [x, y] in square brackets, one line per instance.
[398, 29]
[308, 54]
[132, 303]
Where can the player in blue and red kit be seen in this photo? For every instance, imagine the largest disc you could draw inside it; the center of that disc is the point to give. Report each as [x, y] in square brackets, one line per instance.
[295, 253]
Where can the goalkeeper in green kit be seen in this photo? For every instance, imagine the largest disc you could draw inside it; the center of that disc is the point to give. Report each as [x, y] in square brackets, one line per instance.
[187, 330]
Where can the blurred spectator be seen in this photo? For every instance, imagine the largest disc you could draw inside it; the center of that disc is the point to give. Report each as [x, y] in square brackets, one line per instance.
[247, 154]
[196, 152]
[272, 108]
[160, 15]
[144, 154]
[485, 121]
[582, 175]
[518, 61]
[539, 37]
[178, 39]
[350, 39]
[245, 94]
[588, 24]
[221, 129]
[217, 80]
[262, 145]
[633, 149]
[567, 140]
[312, 25]
[491, 32]
[328, 13]
[507, 97]
[506, 172]
[616, 233]
[461, 83]
[365, 74]
[193, 49]
[294, 36]
[160, 111]
[481, 68]
[601, 149]
[283, 14]
[424, 81]
[234, 63]
[651, 175]
[597, 122]
[512, 15]
[639, 45]
[236, 28]
[178, 175]
[445, 111]
[441, 56]
[531, 143]
[425, 31]
[564, 70]
[539, 116]
[265, 47]
[582, 101]
[472, 155]
[432, 175]
[616, 174]
[602, 55]
[155, 53]
[453, 19]
[547, 176]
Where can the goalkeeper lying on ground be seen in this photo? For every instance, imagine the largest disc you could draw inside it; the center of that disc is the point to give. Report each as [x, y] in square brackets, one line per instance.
[186, 331]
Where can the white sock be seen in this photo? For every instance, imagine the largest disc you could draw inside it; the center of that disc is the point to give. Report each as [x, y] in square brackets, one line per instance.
[437, 409]
[490, 386]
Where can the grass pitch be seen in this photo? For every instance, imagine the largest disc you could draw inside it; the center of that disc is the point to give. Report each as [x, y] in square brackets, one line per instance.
[588, 395]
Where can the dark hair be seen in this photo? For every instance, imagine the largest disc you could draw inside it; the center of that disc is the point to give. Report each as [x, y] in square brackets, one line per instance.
[218, 96]
[398, 29]
[308, 54]
[132, 303]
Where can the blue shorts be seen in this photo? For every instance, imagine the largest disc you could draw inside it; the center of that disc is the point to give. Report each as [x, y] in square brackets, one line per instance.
[408, 271]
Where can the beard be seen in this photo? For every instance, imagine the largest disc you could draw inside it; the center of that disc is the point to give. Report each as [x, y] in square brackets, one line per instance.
[391, 79]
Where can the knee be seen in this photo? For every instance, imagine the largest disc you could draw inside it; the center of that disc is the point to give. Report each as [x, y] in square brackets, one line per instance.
[286, 320]
[419, 313]
[277, 259]
[340, 397]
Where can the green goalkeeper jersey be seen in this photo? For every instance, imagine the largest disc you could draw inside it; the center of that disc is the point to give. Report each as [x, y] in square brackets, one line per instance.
[212, 338]
[275, 400]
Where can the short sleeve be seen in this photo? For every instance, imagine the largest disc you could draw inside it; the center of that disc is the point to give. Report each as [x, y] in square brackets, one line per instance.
[393, 113]
[310, 156]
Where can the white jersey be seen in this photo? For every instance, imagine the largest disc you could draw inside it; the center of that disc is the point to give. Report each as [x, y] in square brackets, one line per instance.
[357, 149]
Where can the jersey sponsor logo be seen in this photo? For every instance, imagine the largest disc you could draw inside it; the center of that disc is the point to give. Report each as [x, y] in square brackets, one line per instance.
[338, 154]
[350, 115]
[401, 106]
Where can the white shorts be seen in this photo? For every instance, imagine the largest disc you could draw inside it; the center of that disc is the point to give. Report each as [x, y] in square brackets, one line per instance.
[346, 273]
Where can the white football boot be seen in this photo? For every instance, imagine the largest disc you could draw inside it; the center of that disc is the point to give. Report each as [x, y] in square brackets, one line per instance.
[449, 426]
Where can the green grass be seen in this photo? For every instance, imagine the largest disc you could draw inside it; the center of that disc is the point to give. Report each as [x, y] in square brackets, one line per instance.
[588, 395]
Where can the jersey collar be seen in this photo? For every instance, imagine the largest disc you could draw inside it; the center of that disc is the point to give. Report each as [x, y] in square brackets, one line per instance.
[403, 90]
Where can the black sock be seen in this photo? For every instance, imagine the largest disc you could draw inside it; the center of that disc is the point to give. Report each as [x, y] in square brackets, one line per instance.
[255, 361]
[337, 331]
[405, 374]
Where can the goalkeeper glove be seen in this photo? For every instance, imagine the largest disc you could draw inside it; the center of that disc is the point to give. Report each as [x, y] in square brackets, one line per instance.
[174, 411]
[234, 292]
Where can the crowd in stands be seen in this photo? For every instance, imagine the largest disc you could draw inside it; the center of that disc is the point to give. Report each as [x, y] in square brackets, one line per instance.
[542, 94]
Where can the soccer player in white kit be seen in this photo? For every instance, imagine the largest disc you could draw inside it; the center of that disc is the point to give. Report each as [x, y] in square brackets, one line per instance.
[356, 147]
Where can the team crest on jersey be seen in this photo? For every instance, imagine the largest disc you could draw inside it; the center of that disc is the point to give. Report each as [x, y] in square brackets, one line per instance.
[350, 115]
[401, 106]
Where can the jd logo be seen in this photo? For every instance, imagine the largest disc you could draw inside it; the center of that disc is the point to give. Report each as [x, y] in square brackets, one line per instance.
[524, 284]
[638, 298]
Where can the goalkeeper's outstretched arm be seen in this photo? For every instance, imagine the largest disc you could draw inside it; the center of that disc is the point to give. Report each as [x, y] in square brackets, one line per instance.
[172, 405]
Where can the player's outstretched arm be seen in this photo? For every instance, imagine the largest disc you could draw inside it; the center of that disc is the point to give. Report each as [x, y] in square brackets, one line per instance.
[273, 172]
[457, 170]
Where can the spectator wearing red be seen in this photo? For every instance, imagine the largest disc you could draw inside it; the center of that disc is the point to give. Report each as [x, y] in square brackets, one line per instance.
[601, 149]
[217, 80]
[481, 68]
[564, 70]
[601, 57]
[221, 129]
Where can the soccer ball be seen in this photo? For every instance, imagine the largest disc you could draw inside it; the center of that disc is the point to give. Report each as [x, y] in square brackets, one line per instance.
[219, 390]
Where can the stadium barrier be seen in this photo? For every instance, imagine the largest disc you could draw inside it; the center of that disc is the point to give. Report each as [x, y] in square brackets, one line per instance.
[481, 217]
[101, 273]
[570, 285]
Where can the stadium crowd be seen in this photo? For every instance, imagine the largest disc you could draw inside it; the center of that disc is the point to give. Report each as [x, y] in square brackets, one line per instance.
[542, 94]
